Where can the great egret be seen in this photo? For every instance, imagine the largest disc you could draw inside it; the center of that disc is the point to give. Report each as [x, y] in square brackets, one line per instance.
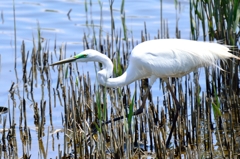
[157, 58]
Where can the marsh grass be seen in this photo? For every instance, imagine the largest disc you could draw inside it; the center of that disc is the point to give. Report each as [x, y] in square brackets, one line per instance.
[98, 122]
[219, 20]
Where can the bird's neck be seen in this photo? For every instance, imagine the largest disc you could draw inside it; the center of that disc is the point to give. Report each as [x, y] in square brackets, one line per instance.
[114, 82]
[103, 76]
[107, 66]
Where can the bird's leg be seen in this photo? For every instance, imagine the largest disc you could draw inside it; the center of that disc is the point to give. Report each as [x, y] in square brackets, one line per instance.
[175, 116]
[151, 81]
[140, 110]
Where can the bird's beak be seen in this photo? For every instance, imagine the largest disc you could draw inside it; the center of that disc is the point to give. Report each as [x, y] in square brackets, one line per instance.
[68, 60]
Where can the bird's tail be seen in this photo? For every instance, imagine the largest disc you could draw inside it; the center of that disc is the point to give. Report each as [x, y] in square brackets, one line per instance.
[222, 52]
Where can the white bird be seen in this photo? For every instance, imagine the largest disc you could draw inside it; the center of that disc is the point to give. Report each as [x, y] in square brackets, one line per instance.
[157, 58]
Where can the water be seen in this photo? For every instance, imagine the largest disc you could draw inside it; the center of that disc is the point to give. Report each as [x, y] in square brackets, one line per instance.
[56, 25]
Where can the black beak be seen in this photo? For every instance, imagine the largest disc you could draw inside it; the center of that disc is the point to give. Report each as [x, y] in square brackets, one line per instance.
[68, 60]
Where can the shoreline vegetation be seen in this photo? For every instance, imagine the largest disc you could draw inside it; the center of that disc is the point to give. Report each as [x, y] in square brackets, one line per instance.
[208, 125]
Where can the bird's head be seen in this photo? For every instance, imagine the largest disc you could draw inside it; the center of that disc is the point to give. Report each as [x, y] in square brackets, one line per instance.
[85, 56]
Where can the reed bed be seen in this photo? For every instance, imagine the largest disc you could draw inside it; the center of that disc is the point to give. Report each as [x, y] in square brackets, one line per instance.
[98, 122]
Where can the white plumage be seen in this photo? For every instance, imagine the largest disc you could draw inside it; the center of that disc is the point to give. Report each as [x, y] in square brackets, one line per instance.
[157, 58]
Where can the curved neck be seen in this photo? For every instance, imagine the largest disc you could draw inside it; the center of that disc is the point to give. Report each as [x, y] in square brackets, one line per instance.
[103, 76]
[107, 65]
[120, 81]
